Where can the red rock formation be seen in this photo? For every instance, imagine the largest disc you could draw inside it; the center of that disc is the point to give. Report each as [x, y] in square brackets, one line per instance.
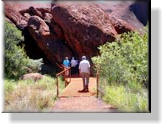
[38, 20]
[49, 43]
[15, 17]
[85, 26]
[122, 18]
[32, 76]
[12, 10]
[72, 28]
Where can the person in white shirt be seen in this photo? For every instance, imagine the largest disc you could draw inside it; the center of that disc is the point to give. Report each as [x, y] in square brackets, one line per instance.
[84, 70]
[73, 65]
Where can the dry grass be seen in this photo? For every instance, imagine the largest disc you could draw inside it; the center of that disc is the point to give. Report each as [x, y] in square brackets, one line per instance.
[30, 96]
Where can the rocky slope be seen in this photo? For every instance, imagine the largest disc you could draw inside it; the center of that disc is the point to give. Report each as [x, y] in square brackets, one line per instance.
[60, 29]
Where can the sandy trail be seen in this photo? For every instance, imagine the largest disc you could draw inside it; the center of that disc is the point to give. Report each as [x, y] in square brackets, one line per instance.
[72, 101]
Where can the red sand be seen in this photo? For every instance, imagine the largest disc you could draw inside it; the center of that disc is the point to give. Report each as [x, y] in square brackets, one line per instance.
[72, 101]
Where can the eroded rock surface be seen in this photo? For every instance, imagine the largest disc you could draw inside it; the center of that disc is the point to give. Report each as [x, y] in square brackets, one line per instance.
[74, 28]
[85, 26]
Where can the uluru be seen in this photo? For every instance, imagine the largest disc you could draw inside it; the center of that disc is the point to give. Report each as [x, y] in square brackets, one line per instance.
[54, 30]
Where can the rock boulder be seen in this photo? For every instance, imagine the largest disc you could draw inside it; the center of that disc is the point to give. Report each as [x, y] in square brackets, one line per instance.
[32, 76]
[62, 29]
[85, 26]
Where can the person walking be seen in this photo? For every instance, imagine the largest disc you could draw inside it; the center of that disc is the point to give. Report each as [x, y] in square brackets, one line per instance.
[66, 64]
[84, 70]
[73, 66]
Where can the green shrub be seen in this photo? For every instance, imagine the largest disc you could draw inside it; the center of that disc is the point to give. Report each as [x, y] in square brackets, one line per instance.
[35, 65]
[123, 67]
[15, 57]
[17, 62]
[125, 60]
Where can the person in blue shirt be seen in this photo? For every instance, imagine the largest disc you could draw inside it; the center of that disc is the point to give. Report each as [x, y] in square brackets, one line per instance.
[66, 64]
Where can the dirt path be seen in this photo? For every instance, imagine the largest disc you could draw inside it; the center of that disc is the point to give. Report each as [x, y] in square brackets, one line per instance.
[72, 101]
[76, 84]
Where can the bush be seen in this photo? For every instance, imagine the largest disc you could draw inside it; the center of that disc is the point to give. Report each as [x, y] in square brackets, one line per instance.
[17, 62]
[125, 60]
[35, 65]
[123, 67]
[15, 57]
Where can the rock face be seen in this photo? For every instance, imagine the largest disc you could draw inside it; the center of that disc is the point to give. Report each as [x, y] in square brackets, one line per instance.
[85, 26]
[73, 28]
[32, 76]
[15, 17]
[121, 16]
[50, 44]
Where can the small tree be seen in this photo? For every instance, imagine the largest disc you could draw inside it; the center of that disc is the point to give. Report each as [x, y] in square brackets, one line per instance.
[15, 57]
[125, 60]
[17, 62]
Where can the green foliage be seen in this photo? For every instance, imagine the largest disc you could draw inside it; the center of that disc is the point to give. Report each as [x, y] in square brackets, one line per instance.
[125, 100]
[123, 67]
[17, 62]
[35, 65]
[15, 57]
[125, 60]
[9, 86]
